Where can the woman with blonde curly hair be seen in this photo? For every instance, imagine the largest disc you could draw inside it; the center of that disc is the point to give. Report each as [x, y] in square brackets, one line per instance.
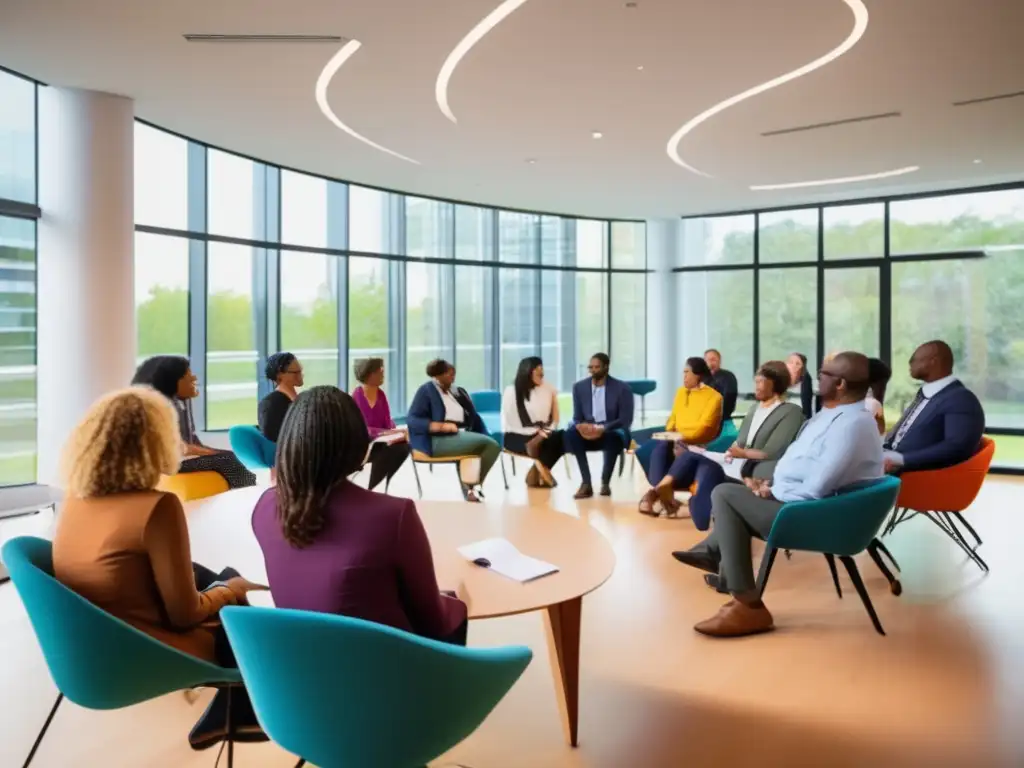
[124, 546]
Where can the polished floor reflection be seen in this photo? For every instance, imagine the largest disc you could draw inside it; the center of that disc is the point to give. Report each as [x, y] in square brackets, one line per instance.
[944, 688]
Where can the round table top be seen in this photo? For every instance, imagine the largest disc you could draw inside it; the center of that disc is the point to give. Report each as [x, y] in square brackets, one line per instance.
[221, 535]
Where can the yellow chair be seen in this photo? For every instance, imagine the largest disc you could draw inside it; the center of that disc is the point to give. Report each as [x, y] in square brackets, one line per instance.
[190, 486]
[418, 457]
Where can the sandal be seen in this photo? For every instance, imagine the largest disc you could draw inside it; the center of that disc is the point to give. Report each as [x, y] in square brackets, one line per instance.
[646, 505]
[672, 508]
[667, 497]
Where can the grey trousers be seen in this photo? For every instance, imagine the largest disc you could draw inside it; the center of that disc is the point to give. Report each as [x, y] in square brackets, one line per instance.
[738, 516]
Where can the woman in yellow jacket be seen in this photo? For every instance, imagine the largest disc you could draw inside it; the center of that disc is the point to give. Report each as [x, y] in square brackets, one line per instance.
[697, 417]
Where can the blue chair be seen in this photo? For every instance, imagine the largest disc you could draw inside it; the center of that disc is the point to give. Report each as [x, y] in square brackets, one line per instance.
[840, 526]
[98, 661]
[488, 404]
[251, 447]
[642, 388]
[363, 694]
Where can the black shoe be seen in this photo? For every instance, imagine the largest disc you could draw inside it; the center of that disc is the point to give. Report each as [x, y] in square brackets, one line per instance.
[717, 583]
[704, 561]
[586, 490]
[606, 490]
[212, 726]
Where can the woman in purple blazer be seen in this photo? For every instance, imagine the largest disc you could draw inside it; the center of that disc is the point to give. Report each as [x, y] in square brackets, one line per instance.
[333, 547]
[385, 458]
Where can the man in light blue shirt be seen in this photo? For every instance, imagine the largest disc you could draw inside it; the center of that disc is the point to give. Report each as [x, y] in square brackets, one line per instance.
[597, 393]
[837, 448]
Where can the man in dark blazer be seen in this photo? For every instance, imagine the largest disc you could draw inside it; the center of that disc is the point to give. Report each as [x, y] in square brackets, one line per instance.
[602, 414]
[943, 424]
[723, 381]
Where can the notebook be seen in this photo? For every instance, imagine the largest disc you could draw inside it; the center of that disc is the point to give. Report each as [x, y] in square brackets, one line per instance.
[506, 560]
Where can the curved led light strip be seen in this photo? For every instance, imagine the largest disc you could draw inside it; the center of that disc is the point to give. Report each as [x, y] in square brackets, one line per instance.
[843, 180]
[322, 82]
[475, 35]
[860, 25]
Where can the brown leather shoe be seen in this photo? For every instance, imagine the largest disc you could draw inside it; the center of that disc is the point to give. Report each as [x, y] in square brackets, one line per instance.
[585, 491]
[734, 619]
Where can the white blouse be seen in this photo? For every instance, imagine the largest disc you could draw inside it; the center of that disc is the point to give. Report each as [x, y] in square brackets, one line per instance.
[453, 410]
[539, 406]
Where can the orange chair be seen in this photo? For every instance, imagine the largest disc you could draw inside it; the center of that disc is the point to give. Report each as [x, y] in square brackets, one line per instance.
[942, 495]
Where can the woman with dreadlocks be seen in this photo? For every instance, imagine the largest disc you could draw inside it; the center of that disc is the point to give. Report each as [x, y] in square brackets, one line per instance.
[334, 547]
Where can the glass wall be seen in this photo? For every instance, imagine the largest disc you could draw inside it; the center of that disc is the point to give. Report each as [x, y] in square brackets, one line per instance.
[17, 280]
[338, 272]
[821, 280]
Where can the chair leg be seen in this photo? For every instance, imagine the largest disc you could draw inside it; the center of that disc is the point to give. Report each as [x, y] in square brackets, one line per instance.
[568, 466]
[873, 550]
[835, 574]
[622, 462]
[301, 763]
[231, 726]
[858, 583]
[42, 733]
[967, 525]
[765, 570]
[960, 539]
[504, 476]
[877, 543]
[416, 472]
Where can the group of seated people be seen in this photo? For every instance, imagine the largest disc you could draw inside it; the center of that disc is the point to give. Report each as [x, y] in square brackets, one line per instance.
[786, 459]
[332, 546]
[328, 544]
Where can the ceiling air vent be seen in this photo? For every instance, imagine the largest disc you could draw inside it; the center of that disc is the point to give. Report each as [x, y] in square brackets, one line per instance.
[983, 99]
[205, 38]
[832, 123]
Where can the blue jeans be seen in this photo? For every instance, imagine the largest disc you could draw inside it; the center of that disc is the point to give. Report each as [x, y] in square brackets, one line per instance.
[685, 469]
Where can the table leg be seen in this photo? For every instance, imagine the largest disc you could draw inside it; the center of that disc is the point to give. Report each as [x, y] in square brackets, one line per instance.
[563, 622]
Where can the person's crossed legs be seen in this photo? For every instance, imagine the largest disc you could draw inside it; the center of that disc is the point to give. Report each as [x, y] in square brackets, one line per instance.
[609, 443]
[739, 516]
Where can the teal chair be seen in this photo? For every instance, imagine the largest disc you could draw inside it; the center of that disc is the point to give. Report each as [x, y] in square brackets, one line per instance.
[840, 526]
[345, 692]
[251, 447]
[726, 437]
[96, 660]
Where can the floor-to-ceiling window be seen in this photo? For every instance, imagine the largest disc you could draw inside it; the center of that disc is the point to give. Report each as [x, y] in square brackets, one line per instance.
[878, 277]
[18, 212]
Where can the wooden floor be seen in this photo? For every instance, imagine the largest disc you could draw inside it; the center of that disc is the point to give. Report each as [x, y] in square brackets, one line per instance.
[945, 688]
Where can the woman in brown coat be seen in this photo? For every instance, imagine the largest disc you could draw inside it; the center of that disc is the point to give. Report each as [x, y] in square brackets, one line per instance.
[124, 546]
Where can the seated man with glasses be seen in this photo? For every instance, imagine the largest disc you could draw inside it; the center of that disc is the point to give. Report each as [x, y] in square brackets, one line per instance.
[837, 448]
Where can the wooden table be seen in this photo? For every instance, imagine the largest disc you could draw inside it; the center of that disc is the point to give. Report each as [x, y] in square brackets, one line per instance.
[221, 535]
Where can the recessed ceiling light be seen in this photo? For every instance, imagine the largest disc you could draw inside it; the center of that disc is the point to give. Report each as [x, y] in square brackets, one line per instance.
[596, 134]
[842, 180]
[640, 68]
[329, 71]
[465, 45]
[977, 162]
[531, 160]
[860, 25]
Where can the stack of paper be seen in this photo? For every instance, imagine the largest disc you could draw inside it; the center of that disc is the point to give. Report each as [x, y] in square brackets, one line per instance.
[505, 559]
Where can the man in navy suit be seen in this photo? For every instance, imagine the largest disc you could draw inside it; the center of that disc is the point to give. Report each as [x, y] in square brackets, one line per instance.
[943, 424]
[602, 413]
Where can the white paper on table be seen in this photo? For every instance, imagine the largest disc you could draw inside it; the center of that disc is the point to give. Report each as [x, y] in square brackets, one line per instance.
[732, 468]
[507, 560]
[669, 436]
